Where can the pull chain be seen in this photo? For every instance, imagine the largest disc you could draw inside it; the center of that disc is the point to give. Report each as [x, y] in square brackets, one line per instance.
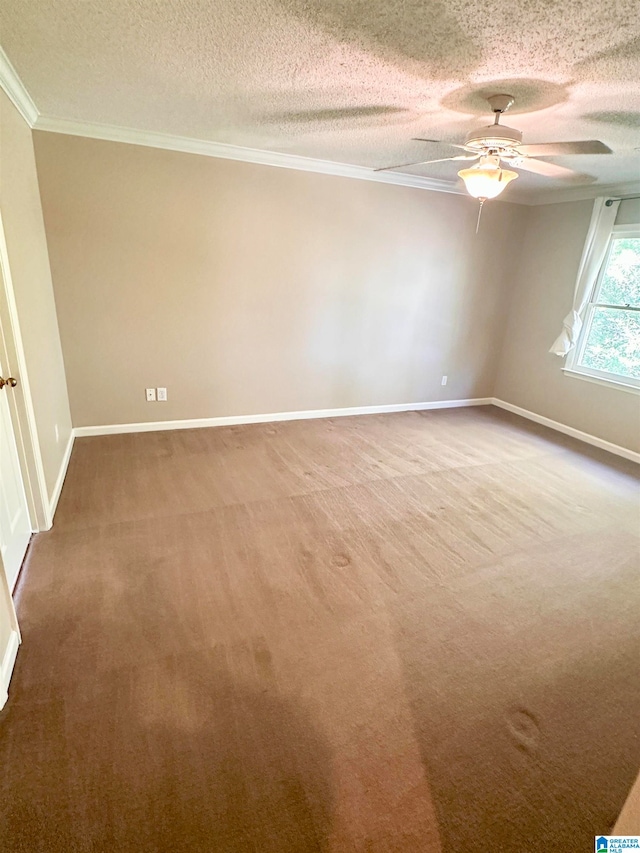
[482, 201]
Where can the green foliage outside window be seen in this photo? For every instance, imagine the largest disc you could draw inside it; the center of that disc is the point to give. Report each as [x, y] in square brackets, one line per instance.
[613, 336]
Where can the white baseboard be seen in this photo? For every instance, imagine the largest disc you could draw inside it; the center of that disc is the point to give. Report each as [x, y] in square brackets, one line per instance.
[6, 668]
[233, 420]
[567, 430]
[55, 496]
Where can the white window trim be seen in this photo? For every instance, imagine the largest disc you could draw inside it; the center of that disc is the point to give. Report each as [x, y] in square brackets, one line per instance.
[572, 367]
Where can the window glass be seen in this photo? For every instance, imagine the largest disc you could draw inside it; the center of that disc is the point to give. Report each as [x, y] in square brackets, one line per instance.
[621, 280]
[613, 342]
[610, 340]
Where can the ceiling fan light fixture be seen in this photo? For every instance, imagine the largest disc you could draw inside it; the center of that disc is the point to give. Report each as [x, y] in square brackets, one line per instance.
[486, 179]
[496, 143]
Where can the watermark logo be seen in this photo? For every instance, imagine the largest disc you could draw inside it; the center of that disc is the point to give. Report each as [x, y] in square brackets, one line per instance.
[616, 843]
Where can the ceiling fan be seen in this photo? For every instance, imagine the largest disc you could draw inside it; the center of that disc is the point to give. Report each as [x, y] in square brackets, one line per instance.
[494, 143]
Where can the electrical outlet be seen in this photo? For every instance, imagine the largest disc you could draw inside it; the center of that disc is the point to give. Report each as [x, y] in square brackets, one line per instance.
[151, 395]
[162, 395]
[444, 380]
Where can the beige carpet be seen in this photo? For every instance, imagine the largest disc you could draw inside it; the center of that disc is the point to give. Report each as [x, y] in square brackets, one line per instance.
[412, 632]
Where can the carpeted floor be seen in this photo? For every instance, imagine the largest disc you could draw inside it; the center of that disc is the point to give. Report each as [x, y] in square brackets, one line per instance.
[411, 632]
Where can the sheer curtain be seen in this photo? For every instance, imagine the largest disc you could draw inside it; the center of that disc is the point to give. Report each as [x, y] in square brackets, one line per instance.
[595, 248]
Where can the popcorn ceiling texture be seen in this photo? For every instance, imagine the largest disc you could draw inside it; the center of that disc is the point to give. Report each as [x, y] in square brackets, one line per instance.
[337, 79]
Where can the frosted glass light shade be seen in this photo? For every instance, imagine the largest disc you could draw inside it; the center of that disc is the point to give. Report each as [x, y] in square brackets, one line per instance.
[486, 182]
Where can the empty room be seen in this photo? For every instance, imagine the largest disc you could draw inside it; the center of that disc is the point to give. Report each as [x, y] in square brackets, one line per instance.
[319, 426]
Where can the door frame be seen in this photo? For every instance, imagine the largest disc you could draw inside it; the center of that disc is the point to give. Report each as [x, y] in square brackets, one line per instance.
[8, 654]
[23, 416]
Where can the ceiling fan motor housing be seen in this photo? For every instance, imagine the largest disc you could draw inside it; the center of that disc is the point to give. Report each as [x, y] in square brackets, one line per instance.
[493, 136]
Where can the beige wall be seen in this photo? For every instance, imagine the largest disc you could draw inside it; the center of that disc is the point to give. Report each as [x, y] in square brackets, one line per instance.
[543, 286]
[629, 821]
[628, 212]
[249, 289]
[31, 277]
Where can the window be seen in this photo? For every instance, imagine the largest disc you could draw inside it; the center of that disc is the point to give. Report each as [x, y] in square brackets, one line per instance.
[609, 344]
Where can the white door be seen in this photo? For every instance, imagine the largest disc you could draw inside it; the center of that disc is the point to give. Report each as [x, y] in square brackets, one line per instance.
[15, 527]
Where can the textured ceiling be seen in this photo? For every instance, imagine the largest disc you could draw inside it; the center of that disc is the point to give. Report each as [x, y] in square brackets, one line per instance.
[344, 80]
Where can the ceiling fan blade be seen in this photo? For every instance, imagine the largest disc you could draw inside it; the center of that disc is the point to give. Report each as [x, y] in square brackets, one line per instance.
[557, 149]
[549, 170]
[426, 162]
[438, 142]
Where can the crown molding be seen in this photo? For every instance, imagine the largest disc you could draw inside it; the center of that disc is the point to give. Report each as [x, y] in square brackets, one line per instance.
[225, 151]
[582, 193]
[15, 90]
[13, 86]
[222, 150]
